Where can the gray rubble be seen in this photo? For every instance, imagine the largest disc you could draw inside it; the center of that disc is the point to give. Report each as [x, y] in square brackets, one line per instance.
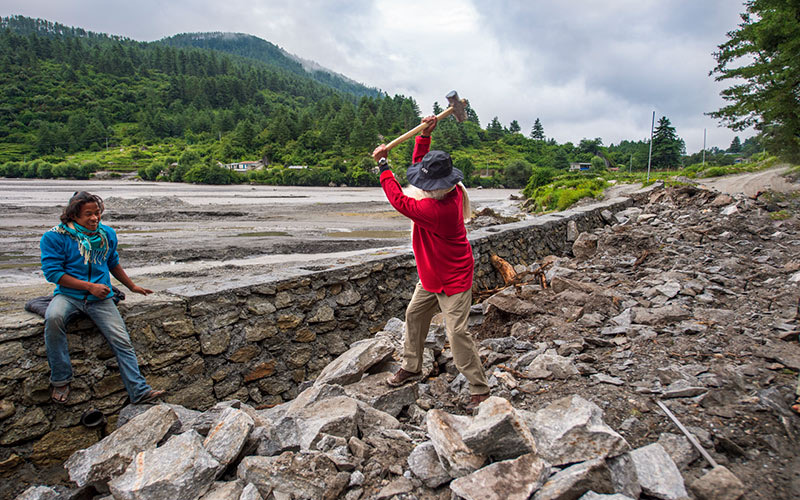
[675, 301]
[111, 456]
[181, 469]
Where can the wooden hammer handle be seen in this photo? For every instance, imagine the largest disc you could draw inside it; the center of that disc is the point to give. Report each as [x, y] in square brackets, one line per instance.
[419, 128]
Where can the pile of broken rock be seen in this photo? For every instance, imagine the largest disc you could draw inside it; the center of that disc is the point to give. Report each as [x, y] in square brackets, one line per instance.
[341, 438]
[688, 298]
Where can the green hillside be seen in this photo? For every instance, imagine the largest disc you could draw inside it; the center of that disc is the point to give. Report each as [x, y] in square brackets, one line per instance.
[255, 48]
[76, 102]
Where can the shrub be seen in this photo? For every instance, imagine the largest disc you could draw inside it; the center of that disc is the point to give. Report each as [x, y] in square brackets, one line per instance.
[210, 174]
[715, 172]
[11, 169]
[540, 176]
[517, 173]
[45, 171]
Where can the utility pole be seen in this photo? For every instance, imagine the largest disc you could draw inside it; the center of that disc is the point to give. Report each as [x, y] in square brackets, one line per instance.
[704, 148]
[650, 155]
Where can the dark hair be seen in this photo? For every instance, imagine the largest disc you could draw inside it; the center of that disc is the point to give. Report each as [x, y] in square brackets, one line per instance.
[76, 203]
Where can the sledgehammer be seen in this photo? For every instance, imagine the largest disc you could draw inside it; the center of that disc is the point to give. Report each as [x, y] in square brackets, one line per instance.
[458, 108]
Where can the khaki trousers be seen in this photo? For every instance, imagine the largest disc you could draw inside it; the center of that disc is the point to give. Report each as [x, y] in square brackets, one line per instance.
[456, 313]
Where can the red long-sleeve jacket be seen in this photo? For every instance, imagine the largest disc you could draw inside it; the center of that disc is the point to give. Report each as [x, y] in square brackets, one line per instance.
[441, 249]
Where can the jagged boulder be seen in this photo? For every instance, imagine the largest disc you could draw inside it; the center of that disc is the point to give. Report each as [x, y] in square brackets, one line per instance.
[374, 391]
[317, 411]
[658, 474]
[250, 492]
[574, 481]
[513, 479]
[351, 365]
[465, 443]
[232, 490]
[585, 246]
[591, 495]
[551, 364]
[572, 430]
[425, 464]
[303, 474]
[206, 420]
[224, 490]
[228, 435]
[445, 432]
[181, 469]
[110, 456]
[39, 493]
[718, 484]
[498, 431]
[186, 417]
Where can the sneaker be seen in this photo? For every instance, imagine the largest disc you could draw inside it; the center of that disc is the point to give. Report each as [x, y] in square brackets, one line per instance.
[150, 396]
[402, 377]
[475, 400]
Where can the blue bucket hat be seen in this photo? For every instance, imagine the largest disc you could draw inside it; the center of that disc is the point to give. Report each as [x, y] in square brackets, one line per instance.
[434, 172]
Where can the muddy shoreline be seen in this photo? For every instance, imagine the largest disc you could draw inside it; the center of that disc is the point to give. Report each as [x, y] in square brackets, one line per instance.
[175, 234]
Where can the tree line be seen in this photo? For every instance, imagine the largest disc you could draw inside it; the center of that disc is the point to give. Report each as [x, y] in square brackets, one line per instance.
[70, 94]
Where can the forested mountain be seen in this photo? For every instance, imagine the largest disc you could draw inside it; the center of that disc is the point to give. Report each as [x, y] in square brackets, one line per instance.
[74, 102]
[66, 90]
[252, 47]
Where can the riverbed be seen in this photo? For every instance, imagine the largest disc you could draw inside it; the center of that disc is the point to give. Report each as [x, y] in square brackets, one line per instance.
[171, 234]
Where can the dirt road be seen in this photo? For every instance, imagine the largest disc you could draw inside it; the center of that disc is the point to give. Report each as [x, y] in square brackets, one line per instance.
[753, 183]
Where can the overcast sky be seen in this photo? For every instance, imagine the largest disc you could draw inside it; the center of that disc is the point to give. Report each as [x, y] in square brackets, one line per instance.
[586, 69]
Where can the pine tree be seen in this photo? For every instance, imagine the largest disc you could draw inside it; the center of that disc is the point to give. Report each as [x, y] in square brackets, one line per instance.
[514, 127]
[736, 145]
[537, 132]
[761, 57]
[667, 146]
[495, 129]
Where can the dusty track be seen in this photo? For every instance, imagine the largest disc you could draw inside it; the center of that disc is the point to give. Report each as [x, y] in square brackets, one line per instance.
[753, 183]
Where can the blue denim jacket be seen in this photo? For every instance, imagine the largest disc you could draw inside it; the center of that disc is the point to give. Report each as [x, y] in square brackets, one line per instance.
[60, 256]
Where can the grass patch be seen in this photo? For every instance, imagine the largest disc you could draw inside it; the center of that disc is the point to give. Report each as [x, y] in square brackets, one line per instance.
[565, 191]
[780, 215]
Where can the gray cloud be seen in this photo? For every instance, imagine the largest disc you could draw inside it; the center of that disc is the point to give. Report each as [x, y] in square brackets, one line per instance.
[585, 69]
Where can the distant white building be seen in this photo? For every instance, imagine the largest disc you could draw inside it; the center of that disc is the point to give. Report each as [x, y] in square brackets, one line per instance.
[297, 167]
[576, 166]
[244, 166]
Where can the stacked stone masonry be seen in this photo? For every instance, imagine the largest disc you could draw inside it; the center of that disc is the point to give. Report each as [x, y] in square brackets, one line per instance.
[256, 343]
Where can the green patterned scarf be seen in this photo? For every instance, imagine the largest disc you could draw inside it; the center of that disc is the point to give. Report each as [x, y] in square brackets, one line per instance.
[93, 245]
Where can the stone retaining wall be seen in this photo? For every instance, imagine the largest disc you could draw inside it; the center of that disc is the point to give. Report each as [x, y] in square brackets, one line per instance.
[256, 339]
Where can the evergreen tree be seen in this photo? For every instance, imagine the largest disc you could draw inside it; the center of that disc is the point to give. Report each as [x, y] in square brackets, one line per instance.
[514, 127]
[537, 132]
[667, 146]
[736, 145]
[763, 52]
[495, 130]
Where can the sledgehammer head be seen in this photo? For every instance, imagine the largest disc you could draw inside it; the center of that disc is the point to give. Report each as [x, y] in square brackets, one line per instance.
[459, 106]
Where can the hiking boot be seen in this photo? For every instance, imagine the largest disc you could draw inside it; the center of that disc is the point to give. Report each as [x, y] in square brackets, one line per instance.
[475, 400]
[402, 377]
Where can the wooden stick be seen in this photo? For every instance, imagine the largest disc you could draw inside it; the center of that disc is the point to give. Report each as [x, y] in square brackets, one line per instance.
[688, 434]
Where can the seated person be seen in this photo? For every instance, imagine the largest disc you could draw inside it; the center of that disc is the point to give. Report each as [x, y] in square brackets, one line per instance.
[78, 255]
